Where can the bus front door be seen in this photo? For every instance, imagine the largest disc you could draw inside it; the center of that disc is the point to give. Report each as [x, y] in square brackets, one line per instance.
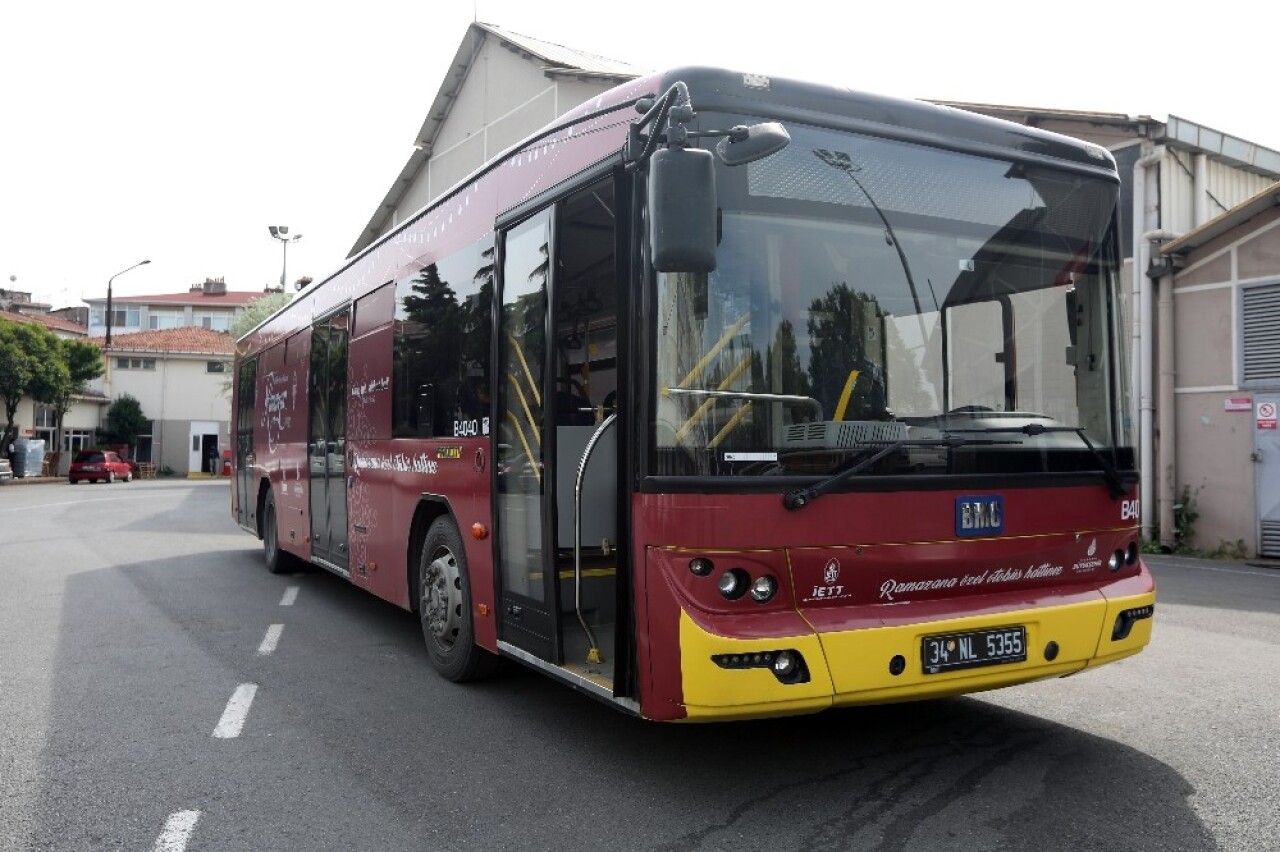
[557, 387]
[327, 442]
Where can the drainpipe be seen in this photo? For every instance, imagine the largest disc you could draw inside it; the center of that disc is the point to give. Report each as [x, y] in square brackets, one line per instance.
[1162, 274]
[1142, 326]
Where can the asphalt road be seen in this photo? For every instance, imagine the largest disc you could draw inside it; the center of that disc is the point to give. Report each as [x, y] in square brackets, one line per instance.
[149, 703]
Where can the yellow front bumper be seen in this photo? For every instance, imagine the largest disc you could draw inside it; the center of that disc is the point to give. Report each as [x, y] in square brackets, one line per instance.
[854, 667]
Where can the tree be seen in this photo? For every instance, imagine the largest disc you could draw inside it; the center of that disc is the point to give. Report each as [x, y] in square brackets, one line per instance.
[252, 316]
[31, 365]
[84, 364]
[125, 422]
[257, 311]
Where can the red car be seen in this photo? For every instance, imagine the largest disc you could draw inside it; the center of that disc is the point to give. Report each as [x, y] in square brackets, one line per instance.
[95, 465]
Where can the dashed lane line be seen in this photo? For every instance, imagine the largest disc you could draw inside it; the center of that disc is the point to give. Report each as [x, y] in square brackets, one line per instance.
[237, 711]
[270, 641]
[176, 832]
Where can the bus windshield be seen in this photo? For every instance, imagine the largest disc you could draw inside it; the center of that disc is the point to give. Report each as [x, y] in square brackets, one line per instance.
[870, 292]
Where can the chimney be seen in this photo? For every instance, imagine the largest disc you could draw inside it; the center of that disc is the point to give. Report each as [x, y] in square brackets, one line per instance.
[215, 286]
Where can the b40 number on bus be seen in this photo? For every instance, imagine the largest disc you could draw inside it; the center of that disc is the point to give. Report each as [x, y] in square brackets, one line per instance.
[470, 428]
[969, 650]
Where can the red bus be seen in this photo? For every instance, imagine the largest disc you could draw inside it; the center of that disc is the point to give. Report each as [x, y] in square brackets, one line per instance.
[725, 397]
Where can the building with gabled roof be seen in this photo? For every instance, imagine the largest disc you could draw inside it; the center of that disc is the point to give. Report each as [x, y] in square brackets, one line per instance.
[59, 326]
[181, 377]
[500, 88]
[207, 305]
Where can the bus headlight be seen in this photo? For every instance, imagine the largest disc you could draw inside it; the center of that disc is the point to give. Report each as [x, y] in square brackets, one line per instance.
[763, 589]
[733, 583]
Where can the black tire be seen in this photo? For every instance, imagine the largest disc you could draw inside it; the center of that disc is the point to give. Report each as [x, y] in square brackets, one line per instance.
[128, 477]
[278, 561]
[445, 608]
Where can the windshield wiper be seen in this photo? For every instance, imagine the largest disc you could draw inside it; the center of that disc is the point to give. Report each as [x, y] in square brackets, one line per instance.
[1117, 484]
[798, 498]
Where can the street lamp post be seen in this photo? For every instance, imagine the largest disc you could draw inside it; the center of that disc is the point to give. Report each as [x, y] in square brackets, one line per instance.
[109, 280]
[281, 233]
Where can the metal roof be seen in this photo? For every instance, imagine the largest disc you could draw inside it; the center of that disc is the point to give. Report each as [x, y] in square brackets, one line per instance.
[1178, 133]
[1219, 225]
[560, 58]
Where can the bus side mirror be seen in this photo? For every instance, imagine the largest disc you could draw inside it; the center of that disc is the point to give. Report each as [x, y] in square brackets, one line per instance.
[682, 210]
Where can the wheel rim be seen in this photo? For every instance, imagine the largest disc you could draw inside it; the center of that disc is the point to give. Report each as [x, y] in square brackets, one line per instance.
[442, 599]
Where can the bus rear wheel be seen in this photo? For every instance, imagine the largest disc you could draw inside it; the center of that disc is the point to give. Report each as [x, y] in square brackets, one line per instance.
[444, 607]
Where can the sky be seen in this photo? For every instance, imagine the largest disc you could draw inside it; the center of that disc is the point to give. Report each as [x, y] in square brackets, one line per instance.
[178, 132]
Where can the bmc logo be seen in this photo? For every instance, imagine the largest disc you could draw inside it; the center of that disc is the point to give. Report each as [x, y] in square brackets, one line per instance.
[979, 515]
[1129, 510]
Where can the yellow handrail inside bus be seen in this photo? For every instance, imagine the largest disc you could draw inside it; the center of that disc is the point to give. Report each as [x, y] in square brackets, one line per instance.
[731, 425]
[524, 442]
[714, 351]
[524, 403]
[701, 411]
[845, 395]
[533, 386]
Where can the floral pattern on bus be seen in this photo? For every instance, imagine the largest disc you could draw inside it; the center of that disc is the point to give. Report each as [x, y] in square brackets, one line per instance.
[280, 396]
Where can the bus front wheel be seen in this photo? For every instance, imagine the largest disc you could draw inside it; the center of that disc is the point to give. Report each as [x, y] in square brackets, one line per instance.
[444, 606]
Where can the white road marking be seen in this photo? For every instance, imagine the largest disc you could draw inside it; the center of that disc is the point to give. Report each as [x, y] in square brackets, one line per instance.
[176, 832]
[237, 711]
[270, 641]
[290, 595]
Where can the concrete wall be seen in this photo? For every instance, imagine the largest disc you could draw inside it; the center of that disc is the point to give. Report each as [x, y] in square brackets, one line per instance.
[173, 395]
[504, 99]
[1213, 444]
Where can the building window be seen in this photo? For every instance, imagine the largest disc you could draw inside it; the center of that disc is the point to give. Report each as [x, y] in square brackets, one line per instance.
[215, 366]
[159, 320]
[216, 321]
[46, 425]
[126, 317]
[74, 440]
[135, 363]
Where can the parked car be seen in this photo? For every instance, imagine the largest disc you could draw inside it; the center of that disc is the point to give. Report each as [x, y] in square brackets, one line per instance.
[99, 465]
[6, 470]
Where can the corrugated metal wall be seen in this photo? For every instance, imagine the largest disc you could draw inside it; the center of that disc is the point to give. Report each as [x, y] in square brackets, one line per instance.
[1228, 186]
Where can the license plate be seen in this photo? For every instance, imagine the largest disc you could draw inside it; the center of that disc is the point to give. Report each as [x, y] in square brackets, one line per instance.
[952, 651]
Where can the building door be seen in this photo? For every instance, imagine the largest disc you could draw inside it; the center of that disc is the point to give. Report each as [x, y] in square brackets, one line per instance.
[327, 441]
[557, 385]
[203, 449]
[1267, 455]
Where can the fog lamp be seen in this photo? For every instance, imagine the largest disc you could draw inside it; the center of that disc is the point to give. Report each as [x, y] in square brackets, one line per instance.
[784, 665]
